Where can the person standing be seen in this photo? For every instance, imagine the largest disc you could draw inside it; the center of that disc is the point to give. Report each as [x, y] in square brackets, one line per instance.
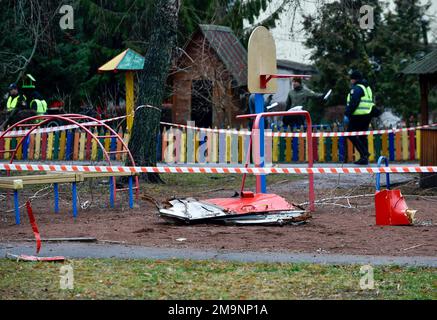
[15, 99]
[298, 96]
[358, 114]
[38, 104]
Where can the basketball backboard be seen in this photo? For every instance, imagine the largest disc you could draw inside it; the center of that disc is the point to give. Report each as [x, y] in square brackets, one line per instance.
[261, 60]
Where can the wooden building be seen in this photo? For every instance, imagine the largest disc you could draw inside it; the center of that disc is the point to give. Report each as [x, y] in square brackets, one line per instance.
[426, 70]
[209, 79]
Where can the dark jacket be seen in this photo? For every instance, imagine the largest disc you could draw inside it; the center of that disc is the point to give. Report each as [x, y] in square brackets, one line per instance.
[300, 96]
[356, 94]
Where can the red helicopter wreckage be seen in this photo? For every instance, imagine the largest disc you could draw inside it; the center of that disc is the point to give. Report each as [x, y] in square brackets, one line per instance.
[246, 207]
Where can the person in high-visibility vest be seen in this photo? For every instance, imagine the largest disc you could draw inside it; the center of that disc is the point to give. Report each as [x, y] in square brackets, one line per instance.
[38, 104]
[15, 99]
[358, 113]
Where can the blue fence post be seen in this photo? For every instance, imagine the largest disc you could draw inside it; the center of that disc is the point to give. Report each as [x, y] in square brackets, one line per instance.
[391, 146]
[113, 147]
[341, 142]
[26, 147]
[295, 149]
[69, 147]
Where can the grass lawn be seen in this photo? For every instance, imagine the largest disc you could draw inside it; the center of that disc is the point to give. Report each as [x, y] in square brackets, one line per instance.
[188, 279]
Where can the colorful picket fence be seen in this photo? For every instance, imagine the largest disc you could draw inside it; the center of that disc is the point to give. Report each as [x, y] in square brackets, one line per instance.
[180, 145]
[68, 145]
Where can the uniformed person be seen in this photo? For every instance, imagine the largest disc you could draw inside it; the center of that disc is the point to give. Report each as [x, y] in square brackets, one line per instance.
[38, 104]
[358, 113]
[15, 99]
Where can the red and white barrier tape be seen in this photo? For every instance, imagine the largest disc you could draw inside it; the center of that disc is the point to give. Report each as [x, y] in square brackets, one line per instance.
[304, 170]
[300, 134]
[59, 128]
[34, 226]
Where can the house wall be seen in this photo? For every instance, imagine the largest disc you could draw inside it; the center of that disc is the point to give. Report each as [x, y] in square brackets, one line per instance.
[201, 63]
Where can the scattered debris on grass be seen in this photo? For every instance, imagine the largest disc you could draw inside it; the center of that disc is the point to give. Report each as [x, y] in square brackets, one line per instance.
[24, 257]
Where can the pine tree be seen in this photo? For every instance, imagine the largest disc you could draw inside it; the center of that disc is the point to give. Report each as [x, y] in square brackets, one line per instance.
[231, 13]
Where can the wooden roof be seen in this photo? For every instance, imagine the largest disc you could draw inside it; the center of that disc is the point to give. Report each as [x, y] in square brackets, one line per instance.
[125, 61]
[426, 65]
[229, 50]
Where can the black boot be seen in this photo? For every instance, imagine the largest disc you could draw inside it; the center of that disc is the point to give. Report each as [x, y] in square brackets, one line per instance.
[362, 161]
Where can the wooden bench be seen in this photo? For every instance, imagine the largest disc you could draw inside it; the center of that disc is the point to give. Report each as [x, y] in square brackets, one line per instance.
[16, 183]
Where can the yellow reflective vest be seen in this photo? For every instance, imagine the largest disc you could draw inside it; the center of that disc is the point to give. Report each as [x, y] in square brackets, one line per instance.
[12, 102]
[366, 102]
[39, 105]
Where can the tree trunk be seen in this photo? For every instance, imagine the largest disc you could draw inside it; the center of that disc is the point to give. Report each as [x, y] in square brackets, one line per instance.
[152, 81]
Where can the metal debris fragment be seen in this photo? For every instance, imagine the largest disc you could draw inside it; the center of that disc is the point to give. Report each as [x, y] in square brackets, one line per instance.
[260, 209]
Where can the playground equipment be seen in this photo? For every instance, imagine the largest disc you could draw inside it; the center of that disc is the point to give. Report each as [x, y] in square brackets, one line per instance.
[260, 188]
[28, 126]
[261, 79]
[128, 61]
[390, 206]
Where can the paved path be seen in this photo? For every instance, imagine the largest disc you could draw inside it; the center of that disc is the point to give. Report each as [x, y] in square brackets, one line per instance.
[95, 250]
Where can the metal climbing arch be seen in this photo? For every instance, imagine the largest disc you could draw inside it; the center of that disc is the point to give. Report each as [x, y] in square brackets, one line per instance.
[24, 128]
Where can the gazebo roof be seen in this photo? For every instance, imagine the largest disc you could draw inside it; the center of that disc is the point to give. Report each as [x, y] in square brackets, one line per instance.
[128, 60]
[426, 65]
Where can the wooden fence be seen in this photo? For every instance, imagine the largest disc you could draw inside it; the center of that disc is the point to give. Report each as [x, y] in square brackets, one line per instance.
[69, 145]
[230, 146]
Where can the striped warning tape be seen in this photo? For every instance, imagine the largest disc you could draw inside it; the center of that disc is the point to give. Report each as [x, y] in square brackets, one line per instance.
[300, 134]
[355, 170]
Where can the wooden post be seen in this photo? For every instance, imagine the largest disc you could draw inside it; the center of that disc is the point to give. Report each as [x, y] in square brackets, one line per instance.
[130, 100]
[424, 90]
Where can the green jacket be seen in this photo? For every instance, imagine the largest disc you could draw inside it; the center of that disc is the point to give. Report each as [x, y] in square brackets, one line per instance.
[300, 97]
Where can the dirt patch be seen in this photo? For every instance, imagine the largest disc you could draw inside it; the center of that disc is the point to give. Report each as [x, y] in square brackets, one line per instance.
[333, 228]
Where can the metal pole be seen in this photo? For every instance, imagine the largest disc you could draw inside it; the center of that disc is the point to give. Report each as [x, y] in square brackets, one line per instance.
[260, 179]
[74, 200]
[56, 191]
[111, 192]
[131, 193]
[17, 207]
